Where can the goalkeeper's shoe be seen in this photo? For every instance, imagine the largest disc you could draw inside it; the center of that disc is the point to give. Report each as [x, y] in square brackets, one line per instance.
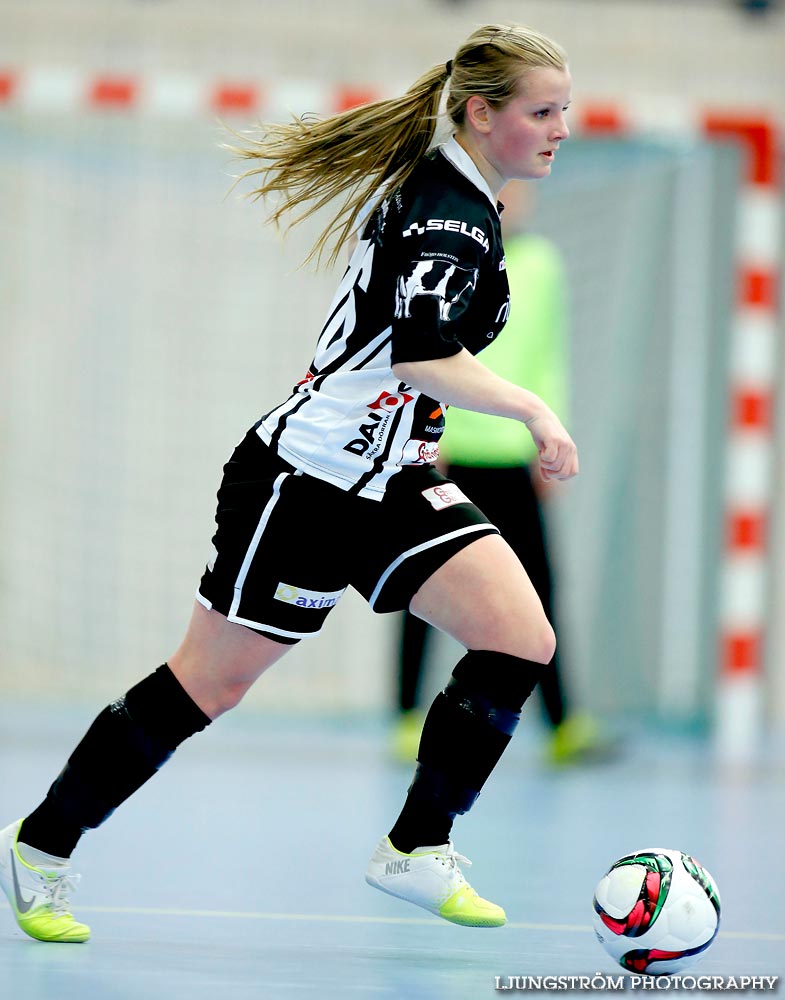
[578, 739]
[38, 895]
[430, 877]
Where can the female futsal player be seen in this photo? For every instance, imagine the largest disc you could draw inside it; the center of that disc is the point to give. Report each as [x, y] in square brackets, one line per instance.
[424, 292]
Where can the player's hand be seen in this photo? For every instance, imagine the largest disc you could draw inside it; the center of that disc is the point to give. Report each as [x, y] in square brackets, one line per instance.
[558, 456]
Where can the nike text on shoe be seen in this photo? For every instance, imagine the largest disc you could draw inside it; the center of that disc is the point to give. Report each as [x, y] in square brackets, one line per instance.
[38, 896]
[430, 878]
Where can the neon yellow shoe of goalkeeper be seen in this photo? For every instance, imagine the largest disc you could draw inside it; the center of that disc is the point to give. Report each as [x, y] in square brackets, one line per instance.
[39, 896]
[406, 736]
[580, 740]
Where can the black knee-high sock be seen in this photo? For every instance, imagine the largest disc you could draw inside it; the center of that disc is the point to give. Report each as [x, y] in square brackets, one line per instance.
[124, 747]
[465, 733]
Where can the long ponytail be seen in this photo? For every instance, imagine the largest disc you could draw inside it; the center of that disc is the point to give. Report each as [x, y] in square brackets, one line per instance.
[358, 154]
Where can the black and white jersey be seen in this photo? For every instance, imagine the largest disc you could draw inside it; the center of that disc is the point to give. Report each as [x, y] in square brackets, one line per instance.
[426, 279]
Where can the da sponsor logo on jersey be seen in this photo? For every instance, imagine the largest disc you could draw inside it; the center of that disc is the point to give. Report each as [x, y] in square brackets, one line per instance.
[450, 285]
[373, 430]
[448, 226]
[390, 401]
[446, 495]
[372, 434]
[303, 598]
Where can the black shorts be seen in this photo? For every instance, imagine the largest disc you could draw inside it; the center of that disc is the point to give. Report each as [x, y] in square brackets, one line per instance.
[288, 545]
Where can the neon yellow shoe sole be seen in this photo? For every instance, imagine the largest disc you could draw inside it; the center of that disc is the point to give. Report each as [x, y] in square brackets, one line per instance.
[468, 909]
[61, 928]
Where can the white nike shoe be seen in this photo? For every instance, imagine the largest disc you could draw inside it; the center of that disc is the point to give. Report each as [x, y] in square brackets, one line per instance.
[38, 896]
[430, 877]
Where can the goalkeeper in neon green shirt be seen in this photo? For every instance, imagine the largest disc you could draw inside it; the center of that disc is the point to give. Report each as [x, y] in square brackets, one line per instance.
[494, 462]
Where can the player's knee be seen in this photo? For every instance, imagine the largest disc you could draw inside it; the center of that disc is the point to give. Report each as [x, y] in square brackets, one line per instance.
[218, 696]
[539, 645]
[530, 641]
[227, 696]
[546, 644]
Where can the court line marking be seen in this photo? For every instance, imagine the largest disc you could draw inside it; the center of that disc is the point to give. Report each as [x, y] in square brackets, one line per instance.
[338, 918]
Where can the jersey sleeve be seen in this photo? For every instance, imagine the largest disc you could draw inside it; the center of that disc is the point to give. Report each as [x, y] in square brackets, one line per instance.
[437, 277]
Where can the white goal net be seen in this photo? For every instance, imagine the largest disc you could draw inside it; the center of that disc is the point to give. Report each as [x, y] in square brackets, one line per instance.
[146, 320]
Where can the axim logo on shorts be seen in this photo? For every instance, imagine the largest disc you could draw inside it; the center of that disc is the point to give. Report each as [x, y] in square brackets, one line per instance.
[306, 598]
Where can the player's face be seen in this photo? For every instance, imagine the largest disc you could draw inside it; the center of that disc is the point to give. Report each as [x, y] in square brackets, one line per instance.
[524, 135]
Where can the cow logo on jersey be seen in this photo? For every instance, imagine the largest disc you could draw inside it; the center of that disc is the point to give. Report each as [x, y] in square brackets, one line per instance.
[450, 285]
[390, 401]
[449, 226]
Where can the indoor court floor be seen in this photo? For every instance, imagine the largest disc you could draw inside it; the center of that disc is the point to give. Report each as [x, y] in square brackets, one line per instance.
[237, 872]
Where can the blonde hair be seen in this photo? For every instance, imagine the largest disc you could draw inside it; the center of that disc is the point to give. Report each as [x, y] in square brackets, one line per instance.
[369, 151]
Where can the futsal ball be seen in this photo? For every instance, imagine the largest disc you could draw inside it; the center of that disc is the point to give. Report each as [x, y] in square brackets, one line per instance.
[656, 911]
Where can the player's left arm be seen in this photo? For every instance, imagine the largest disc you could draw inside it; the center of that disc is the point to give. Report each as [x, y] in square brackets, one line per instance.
[464, 381]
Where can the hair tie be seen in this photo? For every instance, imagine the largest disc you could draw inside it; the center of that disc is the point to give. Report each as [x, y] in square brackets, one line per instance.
[448, 67]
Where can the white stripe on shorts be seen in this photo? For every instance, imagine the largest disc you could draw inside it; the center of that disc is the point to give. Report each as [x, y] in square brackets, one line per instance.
[257, 537]
[260, 626]
[421, 548]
